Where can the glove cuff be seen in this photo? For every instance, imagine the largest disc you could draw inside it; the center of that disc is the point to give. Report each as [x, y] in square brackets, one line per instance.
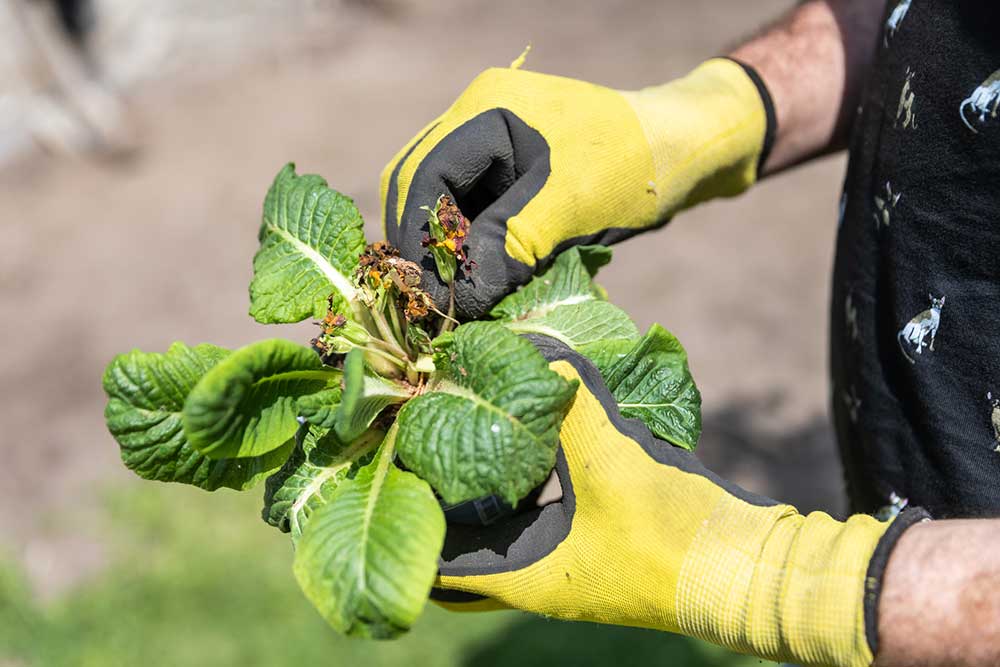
[819, 610]
[877, 565]
[709, 133]
[774, 583]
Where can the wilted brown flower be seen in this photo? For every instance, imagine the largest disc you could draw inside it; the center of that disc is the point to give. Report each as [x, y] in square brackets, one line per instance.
[381, 268]
[455, 227]
[417, 306]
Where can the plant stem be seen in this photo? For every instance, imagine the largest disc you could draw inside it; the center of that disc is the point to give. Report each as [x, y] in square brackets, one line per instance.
[358, 309]
[365, 317]
[384, 369]
[387, 334]
[381, 344]
[399, 328]
[396, 361]
[449, 320]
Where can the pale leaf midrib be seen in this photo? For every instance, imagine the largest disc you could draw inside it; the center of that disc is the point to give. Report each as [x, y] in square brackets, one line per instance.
[313, 487]
[340, 282]
[545, 308]
[156, 412]
[528, 326]
[319, 374]
[344, 461]
[378, 478]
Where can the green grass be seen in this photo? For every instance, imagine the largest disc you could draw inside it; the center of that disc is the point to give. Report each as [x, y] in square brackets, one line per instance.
[197, 579]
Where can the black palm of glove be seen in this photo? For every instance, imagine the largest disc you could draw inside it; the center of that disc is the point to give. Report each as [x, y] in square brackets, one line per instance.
[491, 166]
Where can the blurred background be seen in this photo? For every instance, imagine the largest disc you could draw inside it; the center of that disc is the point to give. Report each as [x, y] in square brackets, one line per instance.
[137, 141]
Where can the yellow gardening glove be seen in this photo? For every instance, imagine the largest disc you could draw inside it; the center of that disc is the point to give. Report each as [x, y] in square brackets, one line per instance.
[645, 536]
[538, 162]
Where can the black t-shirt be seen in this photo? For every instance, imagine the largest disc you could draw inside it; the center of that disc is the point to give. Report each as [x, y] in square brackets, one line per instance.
[915, 327]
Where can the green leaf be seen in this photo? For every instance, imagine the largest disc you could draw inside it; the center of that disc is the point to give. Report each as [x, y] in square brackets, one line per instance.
[320, 409]
[652, 382]
[364, 396]
[568, 281]
[368, 558]
[606, 353]
[245, 405]
[593, 257]
[579, 324]
[417, 337]
[146, 392]
[309, 477]
[564, 302]
[311, 237]
[489, 423]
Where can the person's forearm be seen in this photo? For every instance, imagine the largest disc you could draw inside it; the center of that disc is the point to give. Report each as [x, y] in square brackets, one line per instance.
[940, 603]
[813, 62]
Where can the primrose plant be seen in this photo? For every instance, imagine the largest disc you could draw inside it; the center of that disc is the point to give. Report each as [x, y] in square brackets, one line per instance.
[395, 408]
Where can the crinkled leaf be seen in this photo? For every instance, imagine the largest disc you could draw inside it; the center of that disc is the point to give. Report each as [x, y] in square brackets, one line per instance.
[364, 396]
[320, 409]
[569, 280]
[564, 302]
[490, 422]
[310, 239]
[368, 558]
[320, 462]
[579, 324]
[652, 382]
[245, 405]
[146, 393]
[606, 353]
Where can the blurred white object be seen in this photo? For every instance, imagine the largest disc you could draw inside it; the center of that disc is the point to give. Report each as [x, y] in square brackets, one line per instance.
[59, 90]
[59, 99]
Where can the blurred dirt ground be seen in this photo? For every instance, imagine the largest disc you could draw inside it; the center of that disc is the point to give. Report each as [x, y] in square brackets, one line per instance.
[100, 257]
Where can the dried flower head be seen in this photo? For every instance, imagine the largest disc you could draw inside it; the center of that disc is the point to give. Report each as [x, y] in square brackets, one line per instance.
[450, 231]
[331, 325]
[382, 269]
[417, 305]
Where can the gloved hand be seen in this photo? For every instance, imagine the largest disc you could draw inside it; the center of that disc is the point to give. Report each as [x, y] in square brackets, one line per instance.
[539, 162]
[646, 536]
